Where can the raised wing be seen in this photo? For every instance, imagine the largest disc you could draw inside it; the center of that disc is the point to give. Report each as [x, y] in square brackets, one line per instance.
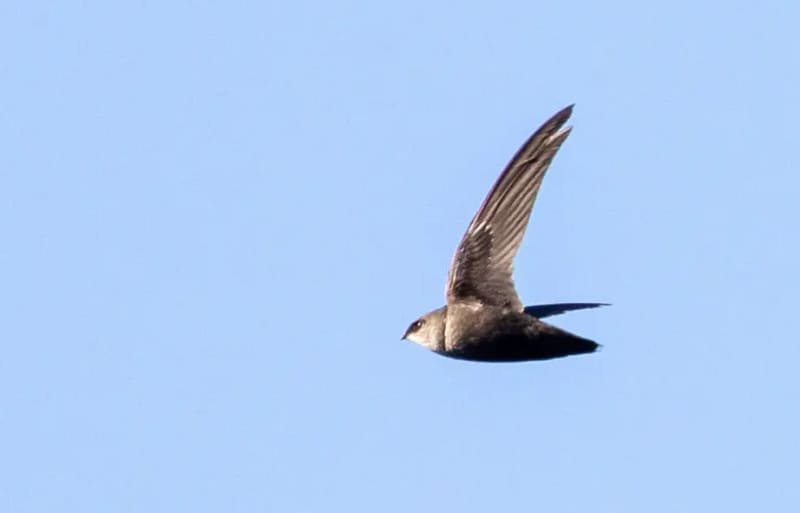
[483, 262]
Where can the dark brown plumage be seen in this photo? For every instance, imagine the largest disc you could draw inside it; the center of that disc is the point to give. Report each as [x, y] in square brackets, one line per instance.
[484, 318]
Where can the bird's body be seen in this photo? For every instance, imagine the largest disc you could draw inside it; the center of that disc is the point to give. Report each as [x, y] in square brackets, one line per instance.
[484, 320]
[480, 333]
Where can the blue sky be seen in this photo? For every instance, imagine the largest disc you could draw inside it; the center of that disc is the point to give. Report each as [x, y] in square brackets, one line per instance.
[218, 220]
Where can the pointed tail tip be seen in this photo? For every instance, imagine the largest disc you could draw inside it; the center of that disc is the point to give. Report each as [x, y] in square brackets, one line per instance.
[589, 346]
[580, 345]
[586, 346]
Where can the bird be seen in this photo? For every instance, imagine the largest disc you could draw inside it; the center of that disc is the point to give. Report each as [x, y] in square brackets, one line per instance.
[484, 319]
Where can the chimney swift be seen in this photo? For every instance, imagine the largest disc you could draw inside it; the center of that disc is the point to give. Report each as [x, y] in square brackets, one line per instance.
[484, 319]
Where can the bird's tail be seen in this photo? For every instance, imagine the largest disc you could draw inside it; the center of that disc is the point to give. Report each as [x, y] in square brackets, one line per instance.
[554, 342]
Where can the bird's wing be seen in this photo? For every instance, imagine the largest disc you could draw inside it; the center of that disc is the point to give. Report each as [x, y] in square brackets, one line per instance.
[482, 265]
[542, 311]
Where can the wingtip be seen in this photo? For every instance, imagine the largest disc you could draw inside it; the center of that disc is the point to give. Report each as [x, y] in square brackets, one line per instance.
[559, 119]
[566, 111]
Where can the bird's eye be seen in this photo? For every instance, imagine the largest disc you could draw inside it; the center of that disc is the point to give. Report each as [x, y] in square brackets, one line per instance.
[417, 325]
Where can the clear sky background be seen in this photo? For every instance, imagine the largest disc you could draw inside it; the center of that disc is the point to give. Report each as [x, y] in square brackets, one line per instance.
[218, 219]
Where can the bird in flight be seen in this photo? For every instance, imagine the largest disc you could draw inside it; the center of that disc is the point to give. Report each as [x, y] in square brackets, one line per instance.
[484, 319]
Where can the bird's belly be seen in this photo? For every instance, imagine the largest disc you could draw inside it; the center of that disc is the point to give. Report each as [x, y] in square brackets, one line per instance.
[499, 347]
[487, 334]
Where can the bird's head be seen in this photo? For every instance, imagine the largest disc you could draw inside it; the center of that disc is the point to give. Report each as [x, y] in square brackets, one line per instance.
[428, 330]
